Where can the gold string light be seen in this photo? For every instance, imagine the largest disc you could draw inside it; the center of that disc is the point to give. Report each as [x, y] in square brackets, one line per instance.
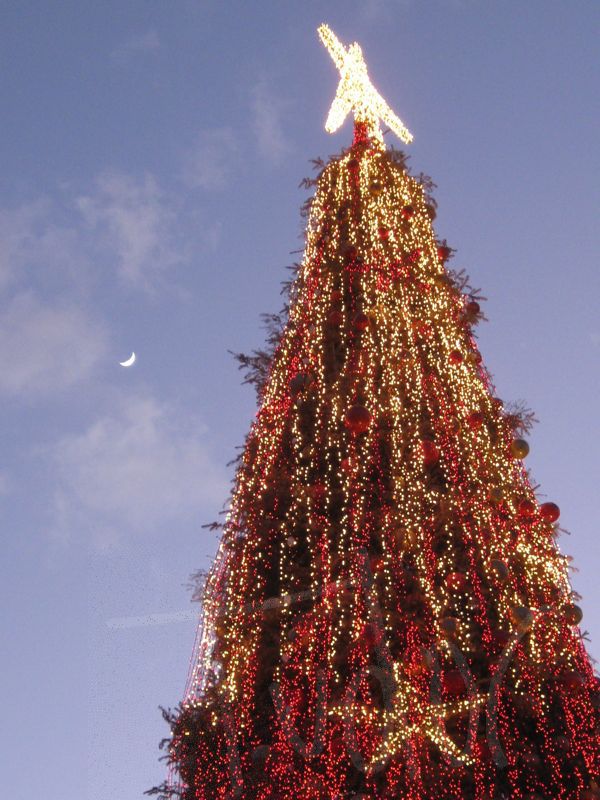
[305, 486]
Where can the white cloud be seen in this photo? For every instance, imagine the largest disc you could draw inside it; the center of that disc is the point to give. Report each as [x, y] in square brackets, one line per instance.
[147, 42]
[66, 242]
[15, 239]
[266, 122]
[31, 239]
[46, 347]
[130, 472]
[136, 222]
[211, 160]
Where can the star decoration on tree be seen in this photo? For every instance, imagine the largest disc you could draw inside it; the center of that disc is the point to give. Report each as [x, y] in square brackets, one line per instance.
[356, 93]
[407, 715]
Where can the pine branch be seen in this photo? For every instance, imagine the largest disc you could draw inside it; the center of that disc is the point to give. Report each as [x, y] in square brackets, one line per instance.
[519, 416]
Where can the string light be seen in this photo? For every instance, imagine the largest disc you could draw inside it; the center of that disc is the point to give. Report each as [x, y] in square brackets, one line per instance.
[409, 716]
[430, 494]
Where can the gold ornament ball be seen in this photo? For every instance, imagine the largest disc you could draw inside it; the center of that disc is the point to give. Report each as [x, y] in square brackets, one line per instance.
[500, 568]
[519, 448]
[522, 617]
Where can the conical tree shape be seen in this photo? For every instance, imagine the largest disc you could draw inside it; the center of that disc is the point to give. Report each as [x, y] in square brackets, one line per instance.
[389, 615]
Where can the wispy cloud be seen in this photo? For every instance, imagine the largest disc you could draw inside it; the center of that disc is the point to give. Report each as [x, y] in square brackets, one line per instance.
[16, 234]
[134, 220]
[46, 347]
[139, 43]
[267, 110]
[211, 161]
[34, 241]
[153, 619]
[131, 471]
[63, 243]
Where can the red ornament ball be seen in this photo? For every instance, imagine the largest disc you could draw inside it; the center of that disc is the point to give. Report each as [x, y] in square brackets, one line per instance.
[336, 296]
[408, 212]
[335, 319]
[347, 465]
[444, 252]
[384, 233]
[360, 321]
[358, 419]
[550, 512]
[318, 491]
[377, 564]
[526, 509]
[454, 683]
[456, 357]
[472, 308]
[572, 680]
[475, 420]
[431, 454]
[573, 614]
[350, 254]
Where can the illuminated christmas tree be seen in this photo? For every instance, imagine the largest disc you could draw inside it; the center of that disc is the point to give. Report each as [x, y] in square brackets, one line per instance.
[388, 615]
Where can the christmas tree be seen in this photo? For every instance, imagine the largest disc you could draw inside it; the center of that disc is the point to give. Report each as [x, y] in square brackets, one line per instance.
[389, 614]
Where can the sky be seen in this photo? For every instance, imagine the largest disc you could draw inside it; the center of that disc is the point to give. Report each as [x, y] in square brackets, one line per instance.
[150, 157]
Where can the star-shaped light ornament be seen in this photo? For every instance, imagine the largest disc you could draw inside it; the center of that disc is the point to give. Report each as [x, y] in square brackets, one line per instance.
[427, 720]
[356, 93]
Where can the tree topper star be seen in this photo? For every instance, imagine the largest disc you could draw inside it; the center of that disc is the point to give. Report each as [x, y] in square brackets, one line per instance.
[356, 93]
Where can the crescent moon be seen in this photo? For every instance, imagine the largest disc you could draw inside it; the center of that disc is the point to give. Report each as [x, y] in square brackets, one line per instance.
[129, 361]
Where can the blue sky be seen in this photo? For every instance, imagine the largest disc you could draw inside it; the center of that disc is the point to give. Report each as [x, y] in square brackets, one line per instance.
[151, 153]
